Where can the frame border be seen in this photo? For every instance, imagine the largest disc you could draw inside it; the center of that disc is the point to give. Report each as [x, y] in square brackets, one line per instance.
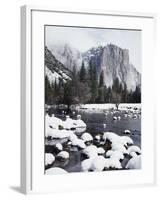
[26, 83]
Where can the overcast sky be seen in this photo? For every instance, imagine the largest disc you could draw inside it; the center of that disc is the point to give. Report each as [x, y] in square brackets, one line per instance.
[85, 38]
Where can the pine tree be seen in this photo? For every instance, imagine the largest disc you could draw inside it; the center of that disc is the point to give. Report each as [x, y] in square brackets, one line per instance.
[136, 96]
[90, 72]
[125, 94]
[101, 89]
[101, 80]
[94, 85]
[82, 73]
[47, 90]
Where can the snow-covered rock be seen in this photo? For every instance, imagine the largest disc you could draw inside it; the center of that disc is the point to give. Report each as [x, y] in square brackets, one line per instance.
[63, 155]
[53, 122]
[112, 137]
[87, 137]
[59, 146]
[98, 164]
[119, 147]
[119, 117]
[86, 165]
[134, 163]
[97, 137]
[135, 149]
[49, 159]
[112, 163]
[80, 125]
[118, 143]
[125, 140]
[90, 151]
[114, 118]
[127, 132]
[100, 151]
[135, 116]
[114, 154]
[104, 125]
[69, 123]
[55, 133]
[55, 170]
[79, 143]
[93, 164]
[109, 153]
[132, 154]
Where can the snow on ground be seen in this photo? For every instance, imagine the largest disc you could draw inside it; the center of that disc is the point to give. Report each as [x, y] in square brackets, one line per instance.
[49, 159]
[108, 106]
[55, 170]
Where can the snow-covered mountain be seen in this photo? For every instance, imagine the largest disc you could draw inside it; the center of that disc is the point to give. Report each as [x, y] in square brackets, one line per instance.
[111, 59]
[54, 69]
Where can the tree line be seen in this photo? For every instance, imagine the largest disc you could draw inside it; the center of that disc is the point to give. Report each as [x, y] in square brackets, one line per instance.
[86, 86]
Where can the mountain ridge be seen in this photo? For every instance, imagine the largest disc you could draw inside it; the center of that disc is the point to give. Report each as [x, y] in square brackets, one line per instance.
[111, 59]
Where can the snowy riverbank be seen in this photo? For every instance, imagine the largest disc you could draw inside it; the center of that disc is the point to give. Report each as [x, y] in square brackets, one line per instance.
[108, 106]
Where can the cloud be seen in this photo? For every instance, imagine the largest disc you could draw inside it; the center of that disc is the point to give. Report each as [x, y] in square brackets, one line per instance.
[85, 38]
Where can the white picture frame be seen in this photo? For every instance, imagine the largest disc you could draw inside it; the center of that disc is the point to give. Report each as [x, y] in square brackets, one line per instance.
[33, 180]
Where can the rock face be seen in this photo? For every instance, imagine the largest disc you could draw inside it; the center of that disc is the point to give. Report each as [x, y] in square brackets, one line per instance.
[111, 59]
[114, 62]
[67, 55]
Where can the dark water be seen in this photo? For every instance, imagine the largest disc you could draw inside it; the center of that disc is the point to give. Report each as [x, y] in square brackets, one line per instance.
[98, 123]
